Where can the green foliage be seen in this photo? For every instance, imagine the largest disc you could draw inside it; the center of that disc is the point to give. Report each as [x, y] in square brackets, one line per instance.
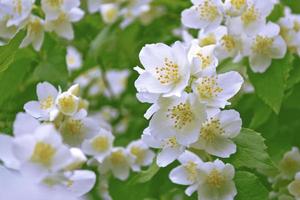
[251, 153]
[249, 187]
[270, 86]
[7, 52]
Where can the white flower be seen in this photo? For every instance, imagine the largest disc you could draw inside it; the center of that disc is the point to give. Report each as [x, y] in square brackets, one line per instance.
[290, 30]
[119, 162]
[203, 58]
[166, 69]
[252, 19]
[290, 164]
[204, 14]
[41, 153]
[228, 46]
[294, 187]
[216, 181]
[211, 37]
[187, 172]
[216, 134]
[170, 148]
[180, 117]
[109, 12]
[99, 146]
[143, 156]
[265, 46]
[35, 33]
[73, 58]
[75, 129]
[44, 108]
[215, 90]
[68, 103]
[62, 25]
[21, 11]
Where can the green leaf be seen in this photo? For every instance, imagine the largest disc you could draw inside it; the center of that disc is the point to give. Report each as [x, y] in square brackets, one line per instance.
[145, 176]
[7, 52]
[249, 187]
[251, 153]
[270, 86]
[262, 113]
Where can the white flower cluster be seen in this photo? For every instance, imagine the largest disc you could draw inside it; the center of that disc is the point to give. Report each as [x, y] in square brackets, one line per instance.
[51, 141]
[59, 15]
[129, 10]
[290, 30]
[188, 97]
[238, 29]
[286, 184]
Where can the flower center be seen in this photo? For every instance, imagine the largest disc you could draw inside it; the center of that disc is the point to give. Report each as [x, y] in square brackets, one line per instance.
[181, 115]
[117, 158]
[100, 143]
[67, 103]
[139, 153]
[208, 11]
[47, 103]
[55, 3]
[250, 15]
[209, 87]
[228, 42]
[262, 45]
[238, 4]
[205, 60]
[171, 142]
[296, 26]
[18, 6]
[211, 129]
[168, 73]
[191, 169]
[215, 179]
[43, 154]
[74, 126]
[209, 40]
[35, 26]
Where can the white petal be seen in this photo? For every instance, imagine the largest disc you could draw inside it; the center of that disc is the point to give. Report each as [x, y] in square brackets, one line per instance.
[6, 152]
[34, 109]
[180, 176]
[167, 156]
[44, 90]
[24, 124]
[82, 182]
[259, 63]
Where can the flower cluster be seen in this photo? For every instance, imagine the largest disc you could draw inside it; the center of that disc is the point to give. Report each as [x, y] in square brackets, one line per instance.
[53, 16]
[238, 29]
[290, 30]
[54, 138]
[286, 184]
[129, 10]
[188, 97]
